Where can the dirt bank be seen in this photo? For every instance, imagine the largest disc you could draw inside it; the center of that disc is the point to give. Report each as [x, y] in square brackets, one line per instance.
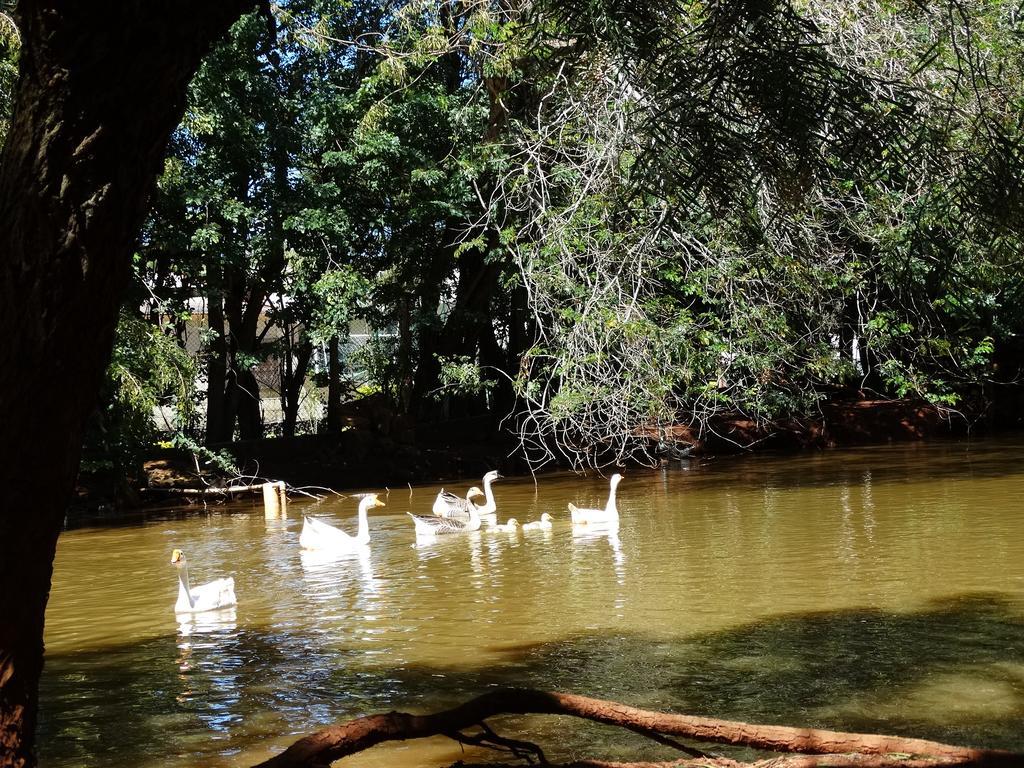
[842, 422]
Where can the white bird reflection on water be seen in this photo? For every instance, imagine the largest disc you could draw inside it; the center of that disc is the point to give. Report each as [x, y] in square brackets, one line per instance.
[331, 572]
[224, 620]
[608, 532]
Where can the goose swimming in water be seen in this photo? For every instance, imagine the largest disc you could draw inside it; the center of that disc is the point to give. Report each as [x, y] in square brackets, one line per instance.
[606, 516]
[447, 504]
[219, 593]
[319, 535]
[490, 507]
[536, 525]
[510, 527]
[432, 525]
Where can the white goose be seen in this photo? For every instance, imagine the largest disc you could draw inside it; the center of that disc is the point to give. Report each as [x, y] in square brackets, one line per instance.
[510, 527]
[539, 525]
[607, 516]
[447, 504]
[490, 508]
[318, 535]
[219, 593]
[432, 525]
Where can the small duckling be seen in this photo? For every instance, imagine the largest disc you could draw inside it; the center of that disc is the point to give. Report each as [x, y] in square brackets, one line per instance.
[539, 525]
[510, 527]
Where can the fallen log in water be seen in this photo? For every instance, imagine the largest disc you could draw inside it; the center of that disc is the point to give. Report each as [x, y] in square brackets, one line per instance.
[788, 761]
[228, 490]
[275, 494]
[816, 747]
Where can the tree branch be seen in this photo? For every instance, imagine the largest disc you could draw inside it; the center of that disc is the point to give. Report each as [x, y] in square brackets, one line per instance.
[324, 747]
[790, 761]
[523, 750]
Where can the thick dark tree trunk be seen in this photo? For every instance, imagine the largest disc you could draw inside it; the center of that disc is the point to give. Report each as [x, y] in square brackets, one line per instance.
[429, 329]
[244, 304]
[291, 385]
[216, 372]
[250, 414]
[102, 86]
[464, 328]
[232, 317]
[334, 387]
[404, 354]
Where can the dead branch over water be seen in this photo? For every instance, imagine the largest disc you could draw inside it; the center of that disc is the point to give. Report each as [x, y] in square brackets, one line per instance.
[818, 747]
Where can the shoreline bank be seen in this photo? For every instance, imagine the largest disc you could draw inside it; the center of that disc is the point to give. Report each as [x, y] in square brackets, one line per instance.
[361, 457]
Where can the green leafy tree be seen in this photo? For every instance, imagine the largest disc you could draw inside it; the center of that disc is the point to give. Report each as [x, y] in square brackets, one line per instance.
[838, 211]
[148, 371]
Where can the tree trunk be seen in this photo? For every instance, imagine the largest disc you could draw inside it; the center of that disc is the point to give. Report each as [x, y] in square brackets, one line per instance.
[462, 331]
[216, 372]
[291, 385]
[232, 317]
[334, 387]
[519, 340]
[244, 304]
[102, 86]
[429, 328]
[250, 413]
[404, 354]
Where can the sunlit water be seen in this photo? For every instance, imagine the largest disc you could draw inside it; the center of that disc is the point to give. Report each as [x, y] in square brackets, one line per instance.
[880, 589]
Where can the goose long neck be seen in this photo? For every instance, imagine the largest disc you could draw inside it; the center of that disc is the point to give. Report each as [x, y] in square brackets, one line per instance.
[490, 506]
[363, 532]
[474, 514]
[611, 506]
[183, 585]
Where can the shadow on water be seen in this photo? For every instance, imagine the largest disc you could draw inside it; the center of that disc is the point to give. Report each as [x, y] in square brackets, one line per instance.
[171, 511]
[208, 695]
[844, 670]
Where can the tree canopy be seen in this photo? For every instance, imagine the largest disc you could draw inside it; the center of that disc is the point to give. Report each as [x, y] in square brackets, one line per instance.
[598, 221]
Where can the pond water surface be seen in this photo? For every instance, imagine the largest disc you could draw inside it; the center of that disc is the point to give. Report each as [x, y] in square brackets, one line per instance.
[877, 589]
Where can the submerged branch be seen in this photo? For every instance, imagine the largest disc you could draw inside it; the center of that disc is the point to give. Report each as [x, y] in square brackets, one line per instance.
[843, 749]
[229, 490]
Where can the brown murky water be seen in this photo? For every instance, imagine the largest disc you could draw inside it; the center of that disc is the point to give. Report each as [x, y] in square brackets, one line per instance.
[878, 589]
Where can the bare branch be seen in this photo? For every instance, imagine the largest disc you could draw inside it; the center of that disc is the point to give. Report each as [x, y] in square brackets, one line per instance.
[331, 744]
